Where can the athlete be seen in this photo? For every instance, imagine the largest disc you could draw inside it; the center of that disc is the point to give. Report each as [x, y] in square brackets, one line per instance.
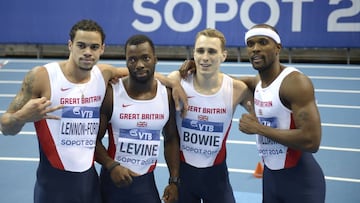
[135, 112]
[286, 122]
[63, 100]
[212, 100]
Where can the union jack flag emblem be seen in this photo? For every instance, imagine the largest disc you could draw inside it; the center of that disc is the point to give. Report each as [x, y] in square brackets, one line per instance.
[141, 124]
[203, 118]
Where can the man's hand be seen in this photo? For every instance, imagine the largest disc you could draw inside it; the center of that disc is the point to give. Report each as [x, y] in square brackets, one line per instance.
[178, 93]
[248, 123]
[187, 68]
[170, 193]
[33, 110]
[37, 109]
[114, 80]
[180, 97]
[122, 176]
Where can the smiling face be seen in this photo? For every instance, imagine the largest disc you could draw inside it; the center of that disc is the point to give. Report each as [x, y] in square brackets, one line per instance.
[208, 54]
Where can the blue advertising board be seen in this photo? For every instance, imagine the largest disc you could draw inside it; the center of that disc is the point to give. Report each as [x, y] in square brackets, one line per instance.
[301, 23]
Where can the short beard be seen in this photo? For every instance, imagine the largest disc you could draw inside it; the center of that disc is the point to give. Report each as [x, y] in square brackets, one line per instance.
[85, 69]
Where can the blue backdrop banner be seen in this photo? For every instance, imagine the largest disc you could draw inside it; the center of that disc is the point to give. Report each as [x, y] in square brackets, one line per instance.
[301, 23]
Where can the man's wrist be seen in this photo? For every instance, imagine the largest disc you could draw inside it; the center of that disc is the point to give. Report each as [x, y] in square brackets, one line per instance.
[113, 165]
[174, 180]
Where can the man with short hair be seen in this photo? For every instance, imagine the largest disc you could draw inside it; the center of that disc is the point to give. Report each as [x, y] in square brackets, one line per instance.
[286, 121]
[135, 112]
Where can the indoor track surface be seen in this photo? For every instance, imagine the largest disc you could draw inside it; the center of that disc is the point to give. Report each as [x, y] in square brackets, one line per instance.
[337, 89]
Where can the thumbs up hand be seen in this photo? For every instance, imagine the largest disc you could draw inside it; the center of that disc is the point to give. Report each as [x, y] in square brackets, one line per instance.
[248, 123]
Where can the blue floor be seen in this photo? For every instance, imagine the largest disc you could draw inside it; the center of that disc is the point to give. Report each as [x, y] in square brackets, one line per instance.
[337, 89]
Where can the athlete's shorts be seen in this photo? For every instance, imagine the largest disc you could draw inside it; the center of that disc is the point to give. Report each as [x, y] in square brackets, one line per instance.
[304, 183]
[142, 189]
[58, 186]
[211, 185]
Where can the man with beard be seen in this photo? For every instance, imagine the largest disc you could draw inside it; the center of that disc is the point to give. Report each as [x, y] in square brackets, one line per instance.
[212, 100]
[286, 121]
[72, 91]
[135, 112]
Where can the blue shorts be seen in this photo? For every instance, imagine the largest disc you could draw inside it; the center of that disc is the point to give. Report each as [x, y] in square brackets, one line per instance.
[142, 189]
[58, 186]
[304, 183]
[211, 185]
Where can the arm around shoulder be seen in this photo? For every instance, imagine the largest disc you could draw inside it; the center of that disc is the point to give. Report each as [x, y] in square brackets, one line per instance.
[175, 75]
[178, 93]
[250, 81]
[110, 72]
[243, 95]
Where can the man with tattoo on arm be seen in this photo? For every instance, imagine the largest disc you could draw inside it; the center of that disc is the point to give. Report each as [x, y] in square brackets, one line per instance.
[286, 121]
[63, 100]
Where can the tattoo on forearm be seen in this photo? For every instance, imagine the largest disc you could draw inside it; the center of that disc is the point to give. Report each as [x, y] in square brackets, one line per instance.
[25, 93]
[27, 87]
